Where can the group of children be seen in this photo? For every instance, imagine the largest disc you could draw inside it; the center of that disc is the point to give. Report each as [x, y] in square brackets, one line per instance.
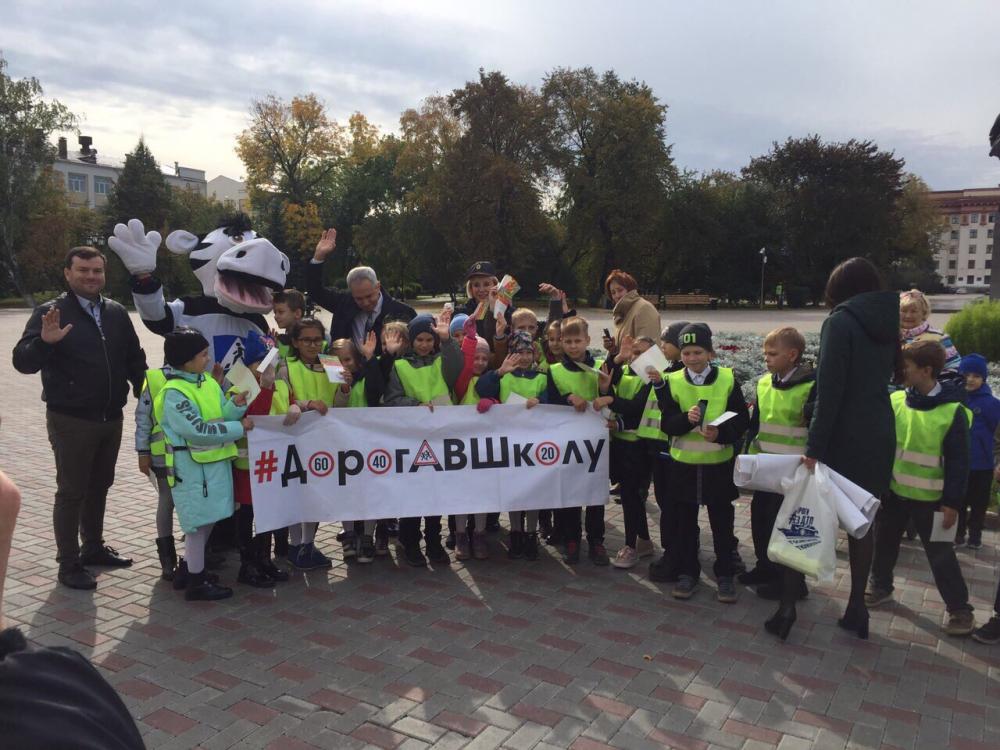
[679, 432]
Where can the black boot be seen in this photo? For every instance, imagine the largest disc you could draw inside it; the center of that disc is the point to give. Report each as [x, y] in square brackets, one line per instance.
[530, 546]
[181, 575]
[168, 557]
[200, 589]
[264, 561]
[515, 548]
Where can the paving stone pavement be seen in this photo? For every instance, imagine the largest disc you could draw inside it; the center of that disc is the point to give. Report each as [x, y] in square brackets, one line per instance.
[491, 654]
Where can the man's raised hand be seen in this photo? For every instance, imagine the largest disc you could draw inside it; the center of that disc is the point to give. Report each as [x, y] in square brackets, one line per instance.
[327, 242]
[51, 332]
[368, 347]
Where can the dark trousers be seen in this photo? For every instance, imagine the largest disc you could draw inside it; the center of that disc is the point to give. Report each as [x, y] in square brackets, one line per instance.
[85, 454]
[569, 520]
[661, 461]
[764, 509]
[635, 466]
[409, 530]
[252, 547]
[682, 551]
[977, 498]
[892, 519]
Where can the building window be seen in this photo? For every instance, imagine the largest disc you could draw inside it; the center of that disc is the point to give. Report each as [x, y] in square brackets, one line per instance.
[970, 280]
[973, 234]
[972, 249]
[972, 263]
[974, 218]
[986, 279]
[952, 265]
[77, 183]
[952, 250]
[954, 234]
[989, 234]
[951, 279]
[991, 218]
[954, 220]
[102, 185]
[989, 249]
[989, 262]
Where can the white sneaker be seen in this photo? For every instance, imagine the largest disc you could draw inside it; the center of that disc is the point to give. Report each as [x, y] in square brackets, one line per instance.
[626, 558]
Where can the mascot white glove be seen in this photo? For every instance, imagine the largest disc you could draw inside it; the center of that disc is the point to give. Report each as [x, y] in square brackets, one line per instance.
[136, 247]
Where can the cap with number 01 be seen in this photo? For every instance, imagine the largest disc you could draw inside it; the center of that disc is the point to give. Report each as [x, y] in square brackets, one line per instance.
[696, 334]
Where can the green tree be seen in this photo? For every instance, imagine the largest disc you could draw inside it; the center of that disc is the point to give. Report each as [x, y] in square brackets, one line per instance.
[832, 201]
[918, 239]
[140, 192]
[614, 168]
[26, 123]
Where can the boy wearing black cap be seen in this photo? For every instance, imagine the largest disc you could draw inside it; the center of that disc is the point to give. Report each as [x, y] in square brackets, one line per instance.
[425, 377]
[703, 455]
[201, 427]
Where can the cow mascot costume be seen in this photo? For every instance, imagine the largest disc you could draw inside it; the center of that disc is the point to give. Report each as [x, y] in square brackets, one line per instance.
[238, 272]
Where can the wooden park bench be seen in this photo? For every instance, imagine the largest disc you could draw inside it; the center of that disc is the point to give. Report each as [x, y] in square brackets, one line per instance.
[687, 300]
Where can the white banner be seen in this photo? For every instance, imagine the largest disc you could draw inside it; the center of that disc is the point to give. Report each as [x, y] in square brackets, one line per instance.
[397, 462]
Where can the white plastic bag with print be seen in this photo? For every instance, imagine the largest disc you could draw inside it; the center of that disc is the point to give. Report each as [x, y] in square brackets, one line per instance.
[805, 532]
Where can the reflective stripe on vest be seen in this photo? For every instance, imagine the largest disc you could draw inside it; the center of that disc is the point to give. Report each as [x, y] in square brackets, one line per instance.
[155, 380]
[309, 385]
[582, 383]
[627, 388]
[532, 387]
[692, 448]
[652, 419]
[781, 412]
[918, 471]
[424, 384]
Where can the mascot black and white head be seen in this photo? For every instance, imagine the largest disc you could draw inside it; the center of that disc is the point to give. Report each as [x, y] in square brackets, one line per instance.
[233, 264]
[238, 271]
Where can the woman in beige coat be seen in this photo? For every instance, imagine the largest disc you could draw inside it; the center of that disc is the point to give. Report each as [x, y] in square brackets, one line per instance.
[632, 315]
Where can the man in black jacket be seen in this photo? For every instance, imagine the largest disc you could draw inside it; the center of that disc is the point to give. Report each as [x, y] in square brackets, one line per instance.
[88, 352]
[365, 307]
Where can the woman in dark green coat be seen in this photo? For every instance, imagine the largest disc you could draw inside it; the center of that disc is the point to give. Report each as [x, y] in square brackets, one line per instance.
[852, 430]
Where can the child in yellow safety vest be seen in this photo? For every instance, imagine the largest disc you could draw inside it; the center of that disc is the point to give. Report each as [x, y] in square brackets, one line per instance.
[151, 448]
[201, 426]
[256, 566]
[425, 376]
[517, 375]
[363, 388]
[702, 460]
[311, 391]
[779, 423]
[574, 382]
[288, 309]
[633, 457]
[929, 477]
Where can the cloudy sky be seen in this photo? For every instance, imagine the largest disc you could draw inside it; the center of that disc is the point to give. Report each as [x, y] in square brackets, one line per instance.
[920, 77]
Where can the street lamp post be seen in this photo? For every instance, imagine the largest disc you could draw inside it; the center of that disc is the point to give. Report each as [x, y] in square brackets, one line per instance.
[995, 261]
[763, 264]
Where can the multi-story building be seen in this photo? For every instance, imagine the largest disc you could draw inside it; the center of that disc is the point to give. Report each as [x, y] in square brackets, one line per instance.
[88, 181]
[231, 193]
[965, 255]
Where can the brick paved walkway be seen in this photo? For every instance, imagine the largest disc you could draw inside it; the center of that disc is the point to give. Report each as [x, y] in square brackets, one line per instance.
[483, 655]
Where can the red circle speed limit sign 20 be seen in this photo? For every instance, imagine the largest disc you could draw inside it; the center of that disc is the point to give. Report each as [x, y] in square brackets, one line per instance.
[547, 453]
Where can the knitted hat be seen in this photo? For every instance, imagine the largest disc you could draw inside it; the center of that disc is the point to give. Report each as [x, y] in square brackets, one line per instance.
[182, 345]
[696, 334]
[520, 341]
[423, 323]
[671, 334]
[256, 349]
[975, 364]
[456, 323]
[482, 345]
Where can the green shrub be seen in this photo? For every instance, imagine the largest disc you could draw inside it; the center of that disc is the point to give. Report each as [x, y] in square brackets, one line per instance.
[976, 328]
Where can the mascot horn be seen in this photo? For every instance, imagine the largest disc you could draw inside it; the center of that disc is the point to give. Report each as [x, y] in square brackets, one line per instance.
[238, 272]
